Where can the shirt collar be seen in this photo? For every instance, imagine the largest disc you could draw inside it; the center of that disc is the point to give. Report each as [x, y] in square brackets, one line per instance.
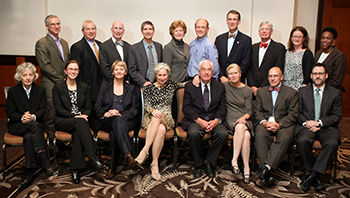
[90, 42]
[235, 33]
[146, 44]
[321, 88]
[268, 42]
[27, 90]
[201, 39]
[202, 84]
[54, 38]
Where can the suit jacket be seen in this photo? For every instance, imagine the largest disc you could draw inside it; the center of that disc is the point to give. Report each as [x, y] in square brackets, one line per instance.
[274, 56]
[330, 112]
[286, 106]
[109, 54]
[240, 52]
[193, 106]
[138, 61]
[177, 60]
[51, 62]
[335, 66]
[104, 103]
[89, 68]
[17, 103]
[62, 101]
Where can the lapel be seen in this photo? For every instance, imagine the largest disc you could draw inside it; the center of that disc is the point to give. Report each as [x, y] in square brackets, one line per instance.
[235, 44]
[89, 50]
[125, 91]
[142, 52]
[66, 93]
[113, 48]
[325, 97]
[268, 52]
[212, 93]
[330, 57]
[53, 44]
[198, 91]
[269, 98]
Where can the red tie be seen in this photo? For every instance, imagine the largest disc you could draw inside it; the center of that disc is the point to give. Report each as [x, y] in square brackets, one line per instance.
[263, 45]
[274, 88]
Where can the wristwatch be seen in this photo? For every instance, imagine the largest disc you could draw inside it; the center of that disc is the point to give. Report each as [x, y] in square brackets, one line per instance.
[218, 120]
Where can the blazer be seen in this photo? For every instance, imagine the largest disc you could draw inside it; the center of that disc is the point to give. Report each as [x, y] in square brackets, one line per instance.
[274, 56]
[104, 103]
[177, 60]
[89, 67]
[240, 52]
[330, 112]
[335, 66]
[17, 103]
[62, 101]
[51, 62]
[109, 54]
[193, 106]
[286, 106]
[138, 61]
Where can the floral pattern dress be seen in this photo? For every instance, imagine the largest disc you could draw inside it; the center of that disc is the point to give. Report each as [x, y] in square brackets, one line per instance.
[293, 70]
[159, 98]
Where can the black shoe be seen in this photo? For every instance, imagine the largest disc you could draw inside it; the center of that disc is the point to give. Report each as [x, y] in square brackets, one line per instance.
[246, 178]
[318, 184]
[75, 176]
[266, 177]
[48, 171]
[197, 172]
[307, 183]
[25, 184]
[209, 170]
[95, 164]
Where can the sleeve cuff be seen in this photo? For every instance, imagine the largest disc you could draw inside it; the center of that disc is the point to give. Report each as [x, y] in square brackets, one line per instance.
[262, 121]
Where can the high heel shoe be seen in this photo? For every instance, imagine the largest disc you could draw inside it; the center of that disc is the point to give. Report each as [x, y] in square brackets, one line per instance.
[139, 161]
[155, 176]
[235, 170]
[246, 178]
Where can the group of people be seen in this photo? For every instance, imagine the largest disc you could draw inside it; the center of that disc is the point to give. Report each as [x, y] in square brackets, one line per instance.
[231, 86]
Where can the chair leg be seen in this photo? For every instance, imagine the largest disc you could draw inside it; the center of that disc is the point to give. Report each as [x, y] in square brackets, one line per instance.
[335, 167]
[175, 153]
[54, 149]
[99, 142]
[4, 162]
[294, 147]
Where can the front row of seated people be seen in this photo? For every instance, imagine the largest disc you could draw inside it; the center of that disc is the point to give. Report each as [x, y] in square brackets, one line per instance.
[209, 107]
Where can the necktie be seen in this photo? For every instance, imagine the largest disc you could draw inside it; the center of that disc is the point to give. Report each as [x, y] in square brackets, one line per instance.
[121, 43]
[151, 64]
[263, 45]
[97, 53]
[231, 35]
[206, 100]
[317, 104]
[274, 88]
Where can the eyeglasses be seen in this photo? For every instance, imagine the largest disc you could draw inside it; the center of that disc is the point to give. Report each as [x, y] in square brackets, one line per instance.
[262, 29]
[297, 37]
[319, 73]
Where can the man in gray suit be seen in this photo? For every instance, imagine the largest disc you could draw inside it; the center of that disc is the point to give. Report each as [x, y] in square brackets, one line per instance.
[276, 114]
[51, 52]
[144, 56]
[113, 49]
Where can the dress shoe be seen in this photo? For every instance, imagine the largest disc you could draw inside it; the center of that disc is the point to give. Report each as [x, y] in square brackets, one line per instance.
[130, 162]
[111, 173]
[307, 183]
[75, 176]
[25, 184]
[266, 178]
[95, 164]
[318, 184]
[246, 178]
[235, 170]
[209, 170]
[48, 171]
[197, 172]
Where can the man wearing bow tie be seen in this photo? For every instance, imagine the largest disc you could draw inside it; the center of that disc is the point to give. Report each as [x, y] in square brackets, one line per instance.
[113, 49]
[233, 47]
[275, 116]
[265, 55]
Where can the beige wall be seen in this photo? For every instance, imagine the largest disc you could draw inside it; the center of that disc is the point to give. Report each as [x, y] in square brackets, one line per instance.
[22, 22]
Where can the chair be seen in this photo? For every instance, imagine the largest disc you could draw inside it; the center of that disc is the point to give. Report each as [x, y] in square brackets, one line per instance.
[316, 146]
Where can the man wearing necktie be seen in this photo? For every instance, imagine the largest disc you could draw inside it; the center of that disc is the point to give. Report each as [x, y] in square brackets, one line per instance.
[319, 115]
[275, 116]
[52, 52]
[144, 56]
[205, 110]
[233, 47]
[265, 54]
[86, 53]
[113, 49]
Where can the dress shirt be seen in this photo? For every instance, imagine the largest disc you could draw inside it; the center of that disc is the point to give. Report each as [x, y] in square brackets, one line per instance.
[58, 42]
[262, 51]
[119, 48]
[154, 52]
[202, 87]
[230, 42]
[321, 95]
[91, 44]
[202, 49]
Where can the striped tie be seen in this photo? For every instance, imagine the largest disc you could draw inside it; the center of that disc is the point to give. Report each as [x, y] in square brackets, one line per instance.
[206, 100]
[97, 53]
[151, 64]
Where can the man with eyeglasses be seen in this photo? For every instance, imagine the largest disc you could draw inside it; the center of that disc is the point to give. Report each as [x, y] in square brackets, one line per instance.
[265, 55]
[319, 115]
[275, 116]
[52, 53]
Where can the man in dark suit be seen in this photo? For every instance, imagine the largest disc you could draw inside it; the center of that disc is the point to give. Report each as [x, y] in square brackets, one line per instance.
[113, 49]
[320, 111]
[233, 47]
[144, 56]
[265, 55]
[51, 53]
[86, 53]
[276, 114]
[205, 110]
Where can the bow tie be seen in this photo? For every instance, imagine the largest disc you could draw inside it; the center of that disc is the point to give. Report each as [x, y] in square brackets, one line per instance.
[263, 45]
[231, 35]
[121, 43]
[275, 88]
